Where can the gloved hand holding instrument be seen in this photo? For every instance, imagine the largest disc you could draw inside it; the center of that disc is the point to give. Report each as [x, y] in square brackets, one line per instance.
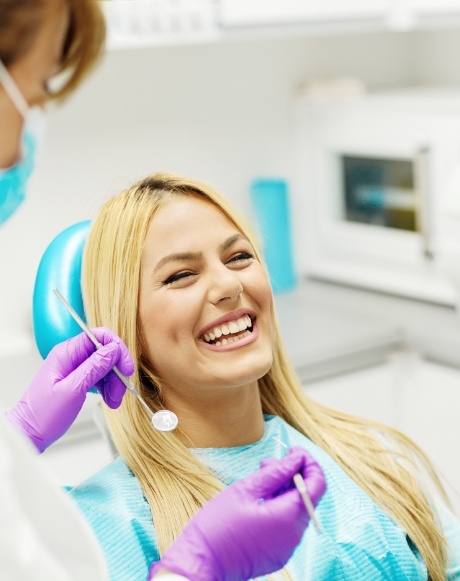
[249, 529]
[56, 395]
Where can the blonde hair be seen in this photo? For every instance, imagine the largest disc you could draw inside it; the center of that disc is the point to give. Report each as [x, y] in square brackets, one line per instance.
[381, 460]
[84, 42]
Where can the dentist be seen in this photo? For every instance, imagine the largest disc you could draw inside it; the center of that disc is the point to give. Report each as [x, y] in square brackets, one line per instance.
[42, 534]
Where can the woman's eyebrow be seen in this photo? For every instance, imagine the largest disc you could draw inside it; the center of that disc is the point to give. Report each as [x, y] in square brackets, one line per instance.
[183, 256]
[177, 257]
[230, 241]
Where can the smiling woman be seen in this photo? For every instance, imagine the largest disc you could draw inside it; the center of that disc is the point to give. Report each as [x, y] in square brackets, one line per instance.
[177, 274]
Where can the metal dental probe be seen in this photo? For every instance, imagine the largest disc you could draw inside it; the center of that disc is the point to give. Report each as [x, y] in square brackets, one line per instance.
[302, 489]
[163, 420]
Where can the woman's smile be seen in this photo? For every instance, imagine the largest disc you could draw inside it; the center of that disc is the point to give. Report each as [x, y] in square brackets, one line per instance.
[231, 331]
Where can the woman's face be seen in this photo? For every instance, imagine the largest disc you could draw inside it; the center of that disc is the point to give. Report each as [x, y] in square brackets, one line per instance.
[205, 304]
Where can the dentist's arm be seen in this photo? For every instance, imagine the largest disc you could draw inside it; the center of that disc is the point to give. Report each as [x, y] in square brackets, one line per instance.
[56, 395]
[249, 529]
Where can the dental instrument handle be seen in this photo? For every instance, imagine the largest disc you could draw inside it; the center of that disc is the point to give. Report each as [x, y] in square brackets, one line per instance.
[129, 386]
[84, 327]
[302, 489]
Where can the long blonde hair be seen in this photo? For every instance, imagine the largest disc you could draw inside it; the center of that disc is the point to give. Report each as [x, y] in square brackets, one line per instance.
[175, 483]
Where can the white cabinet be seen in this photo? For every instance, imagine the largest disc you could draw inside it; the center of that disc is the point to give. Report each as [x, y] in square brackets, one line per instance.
[435, 6]
[395, 14]
[430, 13]
[430, 408]
[369, 392]
[419, 397]
[137, 23]
[275, 12]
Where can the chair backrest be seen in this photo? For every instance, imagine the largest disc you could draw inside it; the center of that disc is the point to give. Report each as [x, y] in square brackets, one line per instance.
[59, 268]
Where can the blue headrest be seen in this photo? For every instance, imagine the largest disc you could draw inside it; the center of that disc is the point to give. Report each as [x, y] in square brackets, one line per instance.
[60, 268]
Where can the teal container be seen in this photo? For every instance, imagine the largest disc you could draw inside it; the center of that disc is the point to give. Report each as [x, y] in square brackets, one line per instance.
[270, 201]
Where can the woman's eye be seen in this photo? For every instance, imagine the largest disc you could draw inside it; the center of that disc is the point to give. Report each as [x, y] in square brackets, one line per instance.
[241, 257]
[177, 277]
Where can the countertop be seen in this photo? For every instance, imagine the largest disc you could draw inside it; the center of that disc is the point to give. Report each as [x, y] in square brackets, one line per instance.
[330, 328]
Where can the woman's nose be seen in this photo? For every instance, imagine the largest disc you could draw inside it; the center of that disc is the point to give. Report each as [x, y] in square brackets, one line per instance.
[225, 285]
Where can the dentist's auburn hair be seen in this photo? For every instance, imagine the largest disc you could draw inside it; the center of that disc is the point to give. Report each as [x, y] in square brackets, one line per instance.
[84, 42]
[381, 460]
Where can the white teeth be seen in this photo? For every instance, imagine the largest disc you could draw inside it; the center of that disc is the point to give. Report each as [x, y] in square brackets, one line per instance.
[229, 340]
[232, 327]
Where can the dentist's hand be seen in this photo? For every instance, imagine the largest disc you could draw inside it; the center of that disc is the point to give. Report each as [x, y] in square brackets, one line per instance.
[237, 536]
[57, 393]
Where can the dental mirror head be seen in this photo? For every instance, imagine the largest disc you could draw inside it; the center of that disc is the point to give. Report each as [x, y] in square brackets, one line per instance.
[164, 420]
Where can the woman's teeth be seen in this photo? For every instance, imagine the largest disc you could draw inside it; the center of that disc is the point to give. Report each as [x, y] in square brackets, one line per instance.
[238, 329]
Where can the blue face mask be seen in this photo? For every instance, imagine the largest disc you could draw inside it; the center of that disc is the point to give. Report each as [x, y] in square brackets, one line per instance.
[13, 180]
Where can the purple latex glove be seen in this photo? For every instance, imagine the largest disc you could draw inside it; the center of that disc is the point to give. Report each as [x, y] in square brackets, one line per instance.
[236, 536]
[57, 393]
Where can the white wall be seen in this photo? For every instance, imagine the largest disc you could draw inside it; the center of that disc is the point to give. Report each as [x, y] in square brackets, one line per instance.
[219, 112]
[435, 56]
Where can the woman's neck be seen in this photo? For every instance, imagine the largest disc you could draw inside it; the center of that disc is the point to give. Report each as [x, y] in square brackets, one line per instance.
[220, 421]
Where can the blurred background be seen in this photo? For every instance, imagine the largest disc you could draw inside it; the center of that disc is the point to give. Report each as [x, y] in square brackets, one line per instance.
[349, 112]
